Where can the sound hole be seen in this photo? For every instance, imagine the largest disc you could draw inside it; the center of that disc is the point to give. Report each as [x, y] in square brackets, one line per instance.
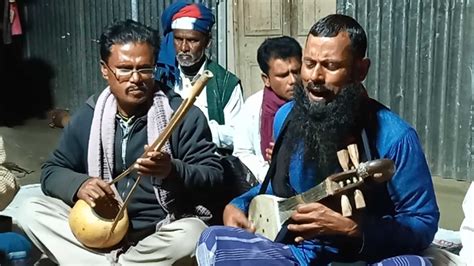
[107, 207]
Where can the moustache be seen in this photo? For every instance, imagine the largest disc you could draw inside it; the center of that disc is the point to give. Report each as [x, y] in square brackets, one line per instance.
[185, 55]
[317, 88]
[142, 87]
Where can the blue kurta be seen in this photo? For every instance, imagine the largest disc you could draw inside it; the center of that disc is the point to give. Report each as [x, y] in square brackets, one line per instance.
[407, 224]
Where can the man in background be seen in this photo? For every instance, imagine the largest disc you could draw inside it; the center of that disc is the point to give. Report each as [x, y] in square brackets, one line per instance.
[182, 59]
[279, 59]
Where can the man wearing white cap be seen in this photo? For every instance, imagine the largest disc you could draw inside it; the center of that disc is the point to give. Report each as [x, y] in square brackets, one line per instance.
[182, 58]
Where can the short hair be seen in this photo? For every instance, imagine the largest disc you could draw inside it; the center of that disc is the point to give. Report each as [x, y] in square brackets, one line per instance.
[127, 31]
[283, 47]
[332, 25]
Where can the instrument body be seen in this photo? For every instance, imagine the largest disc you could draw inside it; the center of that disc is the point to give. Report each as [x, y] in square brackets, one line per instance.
[268, 212]
[94, 227]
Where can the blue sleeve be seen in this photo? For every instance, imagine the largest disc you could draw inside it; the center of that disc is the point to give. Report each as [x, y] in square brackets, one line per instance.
[243, 201]
[280, 117]
[415, 222]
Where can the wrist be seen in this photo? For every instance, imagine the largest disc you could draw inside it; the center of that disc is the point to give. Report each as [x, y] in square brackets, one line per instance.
[173, 172]
[353, 229]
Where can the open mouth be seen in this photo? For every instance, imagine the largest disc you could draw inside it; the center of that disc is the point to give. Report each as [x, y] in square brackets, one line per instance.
[318, 93]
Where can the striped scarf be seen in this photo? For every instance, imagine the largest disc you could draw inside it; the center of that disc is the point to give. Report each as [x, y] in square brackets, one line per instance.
[101, 146]
[100, 157]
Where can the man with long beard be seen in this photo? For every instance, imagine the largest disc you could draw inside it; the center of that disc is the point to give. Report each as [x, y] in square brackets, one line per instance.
[331, 110]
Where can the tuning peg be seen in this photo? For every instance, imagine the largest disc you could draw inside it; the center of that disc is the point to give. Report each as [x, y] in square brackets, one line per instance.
[343, 157]
[346, 207]
[353, 154]
[341, 184]
[378, 175]
[359, 199]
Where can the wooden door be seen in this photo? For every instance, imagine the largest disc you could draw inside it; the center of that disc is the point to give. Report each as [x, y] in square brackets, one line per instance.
[256, 20]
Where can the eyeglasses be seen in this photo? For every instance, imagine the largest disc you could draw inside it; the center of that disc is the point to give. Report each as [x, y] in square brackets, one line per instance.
[124, 74]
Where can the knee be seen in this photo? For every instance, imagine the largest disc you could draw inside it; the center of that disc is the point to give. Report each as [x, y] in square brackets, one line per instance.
[31, 210]
[186, 234]
[211, 233]
[28, 208]
[207, 244]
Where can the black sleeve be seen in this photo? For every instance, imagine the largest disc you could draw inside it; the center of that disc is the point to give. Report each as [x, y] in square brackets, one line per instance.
[195, 161]
[65, 170]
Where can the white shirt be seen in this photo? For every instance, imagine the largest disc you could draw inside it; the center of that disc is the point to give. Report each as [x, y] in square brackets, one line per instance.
[222, 135]
[247, 137]
[467, 227]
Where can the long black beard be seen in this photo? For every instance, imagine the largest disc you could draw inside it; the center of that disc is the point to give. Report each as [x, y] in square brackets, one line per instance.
[324, 127]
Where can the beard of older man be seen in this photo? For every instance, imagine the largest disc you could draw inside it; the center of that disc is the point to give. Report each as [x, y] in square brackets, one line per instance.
[323, 127]
[188, 59]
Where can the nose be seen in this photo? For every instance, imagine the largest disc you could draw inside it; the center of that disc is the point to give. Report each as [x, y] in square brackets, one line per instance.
[135, 77]
[185, 46]
[317, 76]
[292, 79]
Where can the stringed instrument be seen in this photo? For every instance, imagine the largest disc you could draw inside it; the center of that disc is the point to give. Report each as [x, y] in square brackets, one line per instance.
[268, 213]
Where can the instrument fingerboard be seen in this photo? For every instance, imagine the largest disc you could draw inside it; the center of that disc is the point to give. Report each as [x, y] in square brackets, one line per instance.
[324, 189]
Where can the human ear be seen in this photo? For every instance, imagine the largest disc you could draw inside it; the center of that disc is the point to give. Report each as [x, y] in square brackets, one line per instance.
[209, 41]
[266, 80]
[103, 70]
[362, 67]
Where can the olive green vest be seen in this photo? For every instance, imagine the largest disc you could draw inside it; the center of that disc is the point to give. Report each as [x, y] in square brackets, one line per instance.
[218, 91]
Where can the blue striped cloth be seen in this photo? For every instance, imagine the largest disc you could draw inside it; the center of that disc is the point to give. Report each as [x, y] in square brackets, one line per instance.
[230, 246]
[221, 245]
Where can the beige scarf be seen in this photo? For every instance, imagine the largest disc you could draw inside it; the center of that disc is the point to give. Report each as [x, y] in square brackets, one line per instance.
[102, 134]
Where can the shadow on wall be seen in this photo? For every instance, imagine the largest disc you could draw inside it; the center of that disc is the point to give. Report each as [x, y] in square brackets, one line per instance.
[28, 93]
[25, 90]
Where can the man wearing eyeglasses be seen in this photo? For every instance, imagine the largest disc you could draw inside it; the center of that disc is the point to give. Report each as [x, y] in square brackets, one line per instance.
[104, 137]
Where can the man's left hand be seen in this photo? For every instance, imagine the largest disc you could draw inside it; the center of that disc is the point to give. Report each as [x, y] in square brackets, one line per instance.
[155, 164]
[314, 219]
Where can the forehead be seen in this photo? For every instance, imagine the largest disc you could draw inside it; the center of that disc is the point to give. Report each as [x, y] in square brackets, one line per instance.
[280, 65]
[338, 47]
[189, 34]
[132, 51]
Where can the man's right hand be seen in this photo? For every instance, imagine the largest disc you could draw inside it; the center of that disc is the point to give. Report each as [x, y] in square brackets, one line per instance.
[234, 217]
[269, 151]
[93, 189]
